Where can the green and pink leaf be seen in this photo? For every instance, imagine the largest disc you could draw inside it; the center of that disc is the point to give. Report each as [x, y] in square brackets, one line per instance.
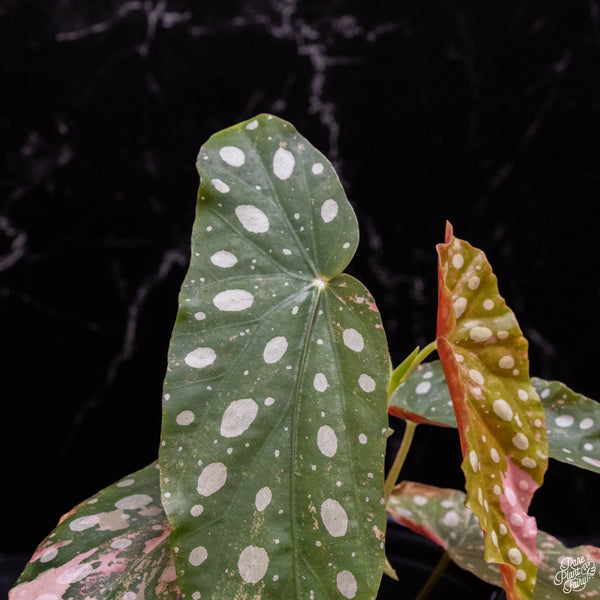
[500, 417]
[113, 545]
[440, 515]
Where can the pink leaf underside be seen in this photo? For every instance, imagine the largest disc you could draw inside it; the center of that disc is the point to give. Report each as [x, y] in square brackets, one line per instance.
[500, 417]
[440, 515]
[113, 545]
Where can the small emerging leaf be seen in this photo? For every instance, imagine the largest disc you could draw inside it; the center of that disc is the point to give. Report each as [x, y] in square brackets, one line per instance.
[401, 370]
[500, 417]
[113, 545]
[572, 420]
[275, 404]
[440, 515]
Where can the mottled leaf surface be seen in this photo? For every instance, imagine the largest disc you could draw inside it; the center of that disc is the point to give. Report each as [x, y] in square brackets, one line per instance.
[440, 515]
[114, 545]
[572, 420]
[573, 424]
[274, 414]
[499, 414]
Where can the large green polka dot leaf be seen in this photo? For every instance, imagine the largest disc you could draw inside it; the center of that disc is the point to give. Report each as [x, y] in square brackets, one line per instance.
[440, 515]
[115, 545]
[499, 414]
[274, 413]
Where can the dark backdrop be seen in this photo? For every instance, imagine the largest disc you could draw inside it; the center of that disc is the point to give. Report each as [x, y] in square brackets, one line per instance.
[486, 114]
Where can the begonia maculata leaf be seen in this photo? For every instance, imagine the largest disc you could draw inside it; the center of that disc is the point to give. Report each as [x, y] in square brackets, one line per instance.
[572, 420]
[275, 402]
[499, 414]
[440, 515]
[113, 545]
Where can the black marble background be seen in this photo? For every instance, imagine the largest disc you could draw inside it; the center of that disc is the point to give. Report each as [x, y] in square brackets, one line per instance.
[486, 114]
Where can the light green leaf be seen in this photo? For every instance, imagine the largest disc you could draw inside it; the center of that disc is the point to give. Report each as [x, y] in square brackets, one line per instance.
[274, 414]
[114, 545]
[499, 414]
[572, 420]
[440, 515]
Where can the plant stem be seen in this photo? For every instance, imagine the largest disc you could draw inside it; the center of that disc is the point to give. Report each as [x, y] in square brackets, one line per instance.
[394, 471]
[434, 577]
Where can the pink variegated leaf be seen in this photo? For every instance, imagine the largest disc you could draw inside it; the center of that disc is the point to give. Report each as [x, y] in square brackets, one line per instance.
[499, 414]
[113, 545]
[440, 515]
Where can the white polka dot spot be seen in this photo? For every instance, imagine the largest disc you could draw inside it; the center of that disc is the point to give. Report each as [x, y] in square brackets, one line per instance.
[564, 421]
[460, 305]
[327, 440]
[346, 584]
[366, 383]
[253, 564]
[283, 163]
[334, 518]
[423, 387]
[50, 554]
[586, 423]
[458, 261]
[317, 169]
[238, 416]
[362, 438]
[528, 462]
[212, 479]
[495, 456]
[520, 441]
[329, 210]
[263, 498]
[480, 334]
[252, 125]
[474, 282]
[220, 186]
[232, 155]
[196, 510]
[223, 259]
[474, 460]
[275, 349]
[120, 543]
[515, 556]
[197, 556]
[252, 218]
[451, 519]
[353, 340]
[233, 300]
[134, 502]
[185, 417]
[476, 376]
[200, 358]
[125, 483]
[506, 362]
[320, 382]
[503, 410]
